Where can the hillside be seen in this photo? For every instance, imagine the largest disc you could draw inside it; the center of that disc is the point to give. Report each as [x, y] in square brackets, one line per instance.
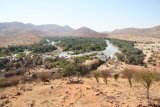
[19, 40]
[89, 94]
[146, 32]
[84, 31]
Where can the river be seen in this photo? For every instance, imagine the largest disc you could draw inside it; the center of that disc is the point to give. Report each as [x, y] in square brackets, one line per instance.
[109, 51]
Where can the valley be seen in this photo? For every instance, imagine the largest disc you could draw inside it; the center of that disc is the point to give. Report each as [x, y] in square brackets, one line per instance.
[76, 71]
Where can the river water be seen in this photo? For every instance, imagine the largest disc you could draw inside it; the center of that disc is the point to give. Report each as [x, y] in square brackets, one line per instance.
[109, 51]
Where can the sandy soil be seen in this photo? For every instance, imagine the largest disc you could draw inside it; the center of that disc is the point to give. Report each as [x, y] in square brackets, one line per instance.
[89, 94]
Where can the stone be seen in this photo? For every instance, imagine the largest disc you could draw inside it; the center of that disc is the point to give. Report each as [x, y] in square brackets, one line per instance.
[29, 89]
[6, 101]
[88, 88]
[51, 87]
[18, 93]
[3, 96]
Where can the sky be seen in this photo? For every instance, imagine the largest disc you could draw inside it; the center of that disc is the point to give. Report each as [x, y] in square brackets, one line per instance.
[99, 15]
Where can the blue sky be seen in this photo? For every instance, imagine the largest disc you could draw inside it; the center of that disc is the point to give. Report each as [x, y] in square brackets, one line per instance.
[100, 15]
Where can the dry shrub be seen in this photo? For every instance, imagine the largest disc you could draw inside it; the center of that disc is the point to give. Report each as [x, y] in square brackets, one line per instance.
[129, 73]
[156, 76]
[146, 78]
[6, 82]
[96, 74]
[42, 75]
[45, 75]
[105, 74]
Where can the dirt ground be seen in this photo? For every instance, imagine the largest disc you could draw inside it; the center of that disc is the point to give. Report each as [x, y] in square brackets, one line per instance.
[89, 94]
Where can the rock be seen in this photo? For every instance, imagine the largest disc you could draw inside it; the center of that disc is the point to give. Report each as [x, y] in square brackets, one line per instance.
[1, 104]
[156, 104]
[67, 92]
[6, 101]
[96, 94]
[88, 88]
[75, 81]
[51, 87]
[29, 89]
[144, 104]
[22, 88]
[32, 104]
[13, 97]
[45, 101]
[3, 96]
[18, 93]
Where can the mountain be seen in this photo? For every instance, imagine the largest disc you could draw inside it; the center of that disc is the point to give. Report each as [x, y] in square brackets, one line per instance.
[146, 32]
[83, 31]
[53, 29]
[18, 33]
[19, 28]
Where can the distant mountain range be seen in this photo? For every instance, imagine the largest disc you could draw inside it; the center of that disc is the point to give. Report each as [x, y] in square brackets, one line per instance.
[18, 28]
[146, 32]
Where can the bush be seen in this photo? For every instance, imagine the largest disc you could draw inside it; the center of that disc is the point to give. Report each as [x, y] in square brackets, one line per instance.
[82, 70]
[129, 53]
[61, 63]
[47, 65]
[10, 73]
[3, 62]
[69, 70]
[145, 65]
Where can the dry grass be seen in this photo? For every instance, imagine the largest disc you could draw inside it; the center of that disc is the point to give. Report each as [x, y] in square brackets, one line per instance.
[6, 82]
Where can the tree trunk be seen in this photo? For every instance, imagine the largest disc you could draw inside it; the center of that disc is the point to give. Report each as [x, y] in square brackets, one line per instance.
[130, 82]
[105, 80]
[97, 80]
[148, 93]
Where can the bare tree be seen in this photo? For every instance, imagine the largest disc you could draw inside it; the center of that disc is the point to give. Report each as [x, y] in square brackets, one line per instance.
[96, 74]
[146, 78]
[116, 76]
[128, 73]
[105, 74]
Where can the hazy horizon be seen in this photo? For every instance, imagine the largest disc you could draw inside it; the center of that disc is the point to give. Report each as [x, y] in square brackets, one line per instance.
[104, 15]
